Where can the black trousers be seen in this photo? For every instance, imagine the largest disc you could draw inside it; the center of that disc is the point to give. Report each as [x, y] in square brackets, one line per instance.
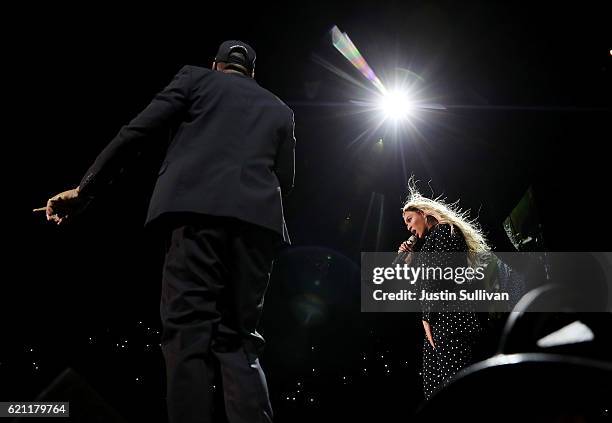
[215, 275]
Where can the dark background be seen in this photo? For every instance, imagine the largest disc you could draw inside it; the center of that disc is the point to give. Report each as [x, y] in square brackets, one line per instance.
[530, 90]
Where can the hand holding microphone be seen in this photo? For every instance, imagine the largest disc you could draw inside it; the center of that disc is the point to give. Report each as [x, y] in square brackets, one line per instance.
[404, 250]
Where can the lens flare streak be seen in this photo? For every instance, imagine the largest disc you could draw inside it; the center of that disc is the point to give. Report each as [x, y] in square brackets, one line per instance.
[345, 46]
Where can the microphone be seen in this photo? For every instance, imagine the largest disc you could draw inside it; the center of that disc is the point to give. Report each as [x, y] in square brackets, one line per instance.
[401, 257]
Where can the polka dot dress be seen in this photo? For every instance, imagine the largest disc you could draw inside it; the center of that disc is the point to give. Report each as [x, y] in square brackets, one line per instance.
[454, 333]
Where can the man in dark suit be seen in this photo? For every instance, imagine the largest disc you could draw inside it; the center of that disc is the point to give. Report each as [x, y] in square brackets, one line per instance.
[219, 195]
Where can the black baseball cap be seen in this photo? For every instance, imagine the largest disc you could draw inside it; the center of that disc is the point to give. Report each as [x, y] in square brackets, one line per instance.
[228, 47]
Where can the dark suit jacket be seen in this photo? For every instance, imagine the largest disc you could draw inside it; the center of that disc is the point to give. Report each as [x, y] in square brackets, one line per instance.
[232, 153]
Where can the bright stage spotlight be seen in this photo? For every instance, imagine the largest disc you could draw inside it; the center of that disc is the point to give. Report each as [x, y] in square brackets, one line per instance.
[396, 105]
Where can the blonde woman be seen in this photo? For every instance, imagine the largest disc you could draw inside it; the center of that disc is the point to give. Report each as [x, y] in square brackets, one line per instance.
[449, 336]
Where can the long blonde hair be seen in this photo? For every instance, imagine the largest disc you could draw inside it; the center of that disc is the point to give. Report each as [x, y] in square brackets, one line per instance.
[449, 213]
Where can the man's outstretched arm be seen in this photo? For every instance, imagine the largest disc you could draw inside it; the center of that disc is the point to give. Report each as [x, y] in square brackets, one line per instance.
[163, 109]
